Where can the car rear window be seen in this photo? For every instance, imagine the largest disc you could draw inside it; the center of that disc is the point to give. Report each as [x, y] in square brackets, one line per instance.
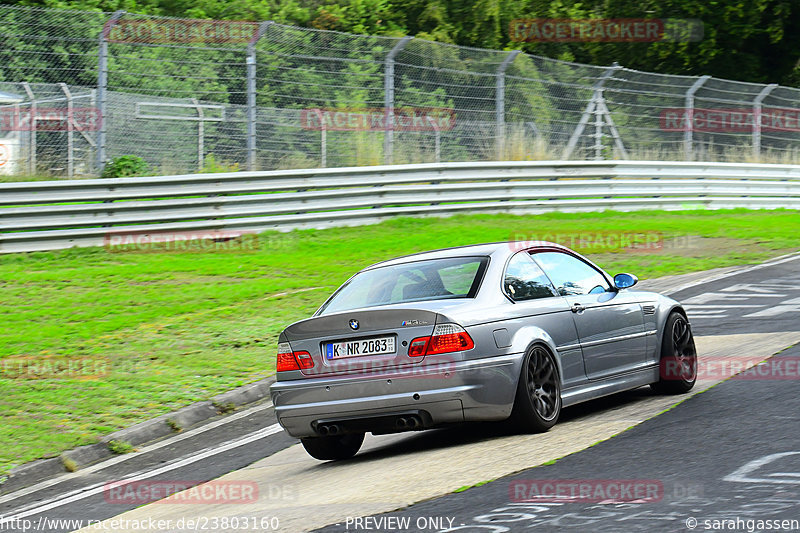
[432, 279]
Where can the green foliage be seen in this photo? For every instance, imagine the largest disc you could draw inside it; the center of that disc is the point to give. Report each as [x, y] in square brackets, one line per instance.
[751, 41]
[125, 166]
[120, 447]
[212, 166]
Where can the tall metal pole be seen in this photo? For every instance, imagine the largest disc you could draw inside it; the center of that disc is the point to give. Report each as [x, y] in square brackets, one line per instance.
[757, 119]
[500, 104]
[598, 125]
[102, 82]
[70, 130]
[252, 109]
[201, 134]
[31, 129]
[388, 100]
[688, 142]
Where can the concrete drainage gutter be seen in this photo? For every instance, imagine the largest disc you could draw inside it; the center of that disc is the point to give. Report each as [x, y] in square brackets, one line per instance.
[136, 435]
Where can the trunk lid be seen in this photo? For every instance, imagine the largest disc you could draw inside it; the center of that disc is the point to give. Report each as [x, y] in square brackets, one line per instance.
[337, 342]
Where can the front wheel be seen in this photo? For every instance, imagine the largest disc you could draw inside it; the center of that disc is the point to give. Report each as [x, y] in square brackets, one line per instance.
[677, 368]
[537, 404]
[333, 448]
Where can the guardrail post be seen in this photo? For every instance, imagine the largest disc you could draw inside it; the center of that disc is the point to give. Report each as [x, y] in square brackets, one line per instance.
[688, 141]
[757, 119]
[500, 104]
[70, 130]
[102, 83]
[252, 109]
[388, 100]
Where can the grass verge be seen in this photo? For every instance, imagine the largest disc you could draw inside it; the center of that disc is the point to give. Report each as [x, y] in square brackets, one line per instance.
[147, 333]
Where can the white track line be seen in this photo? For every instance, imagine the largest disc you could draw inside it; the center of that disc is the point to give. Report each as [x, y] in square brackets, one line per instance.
[52, 503]
[121, 458]
[777, 261]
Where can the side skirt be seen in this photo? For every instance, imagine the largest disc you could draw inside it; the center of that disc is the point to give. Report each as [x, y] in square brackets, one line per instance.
[610, 385]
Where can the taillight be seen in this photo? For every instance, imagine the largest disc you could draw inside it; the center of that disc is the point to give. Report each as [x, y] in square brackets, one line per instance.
[289, 360]
[446, 338]
[418, 346]
[304, 359]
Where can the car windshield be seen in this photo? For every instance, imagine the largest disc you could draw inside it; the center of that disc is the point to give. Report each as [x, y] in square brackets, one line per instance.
[433, 279]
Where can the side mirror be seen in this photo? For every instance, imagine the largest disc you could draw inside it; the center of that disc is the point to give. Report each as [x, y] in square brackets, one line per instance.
[625, 281]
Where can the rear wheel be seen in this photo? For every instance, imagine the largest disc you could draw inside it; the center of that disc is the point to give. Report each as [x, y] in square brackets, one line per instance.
[677, 367]
[537, 404]
[333, 448]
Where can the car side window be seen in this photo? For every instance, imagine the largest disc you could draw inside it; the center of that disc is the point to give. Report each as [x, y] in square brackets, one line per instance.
[524, 280]
[570, 275]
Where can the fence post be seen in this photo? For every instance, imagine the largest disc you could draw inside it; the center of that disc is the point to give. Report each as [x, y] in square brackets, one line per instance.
[102, 83]
[31, 129]
[757, 119]
[597, 92]
[70, 129]
[201, 134]
[500, 104]
[689, 110]
[388, 100]
[252, 109]
[437, 140]
[323, 139]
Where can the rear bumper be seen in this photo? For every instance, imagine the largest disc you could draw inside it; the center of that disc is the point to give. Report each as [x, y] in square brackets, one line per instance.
[455, 391]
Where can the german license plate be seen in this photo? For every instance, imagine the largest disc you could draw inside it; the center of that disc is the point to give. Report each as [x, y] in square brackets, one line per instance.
[374, 346]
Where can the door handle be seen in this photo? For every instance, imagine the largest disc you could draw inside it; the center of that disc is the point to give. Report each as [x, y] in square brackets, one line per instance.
[578, 308]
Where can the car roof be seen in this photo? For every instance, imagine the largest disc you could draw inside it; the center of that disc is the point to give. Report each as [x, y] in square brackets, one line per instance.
[504, 248]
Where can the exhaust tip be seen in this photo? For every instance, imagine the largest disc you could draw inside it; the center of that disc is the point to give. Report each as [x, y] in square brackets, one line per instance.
[333, 429]
[322, 430]
[402, 422]
[413, 422]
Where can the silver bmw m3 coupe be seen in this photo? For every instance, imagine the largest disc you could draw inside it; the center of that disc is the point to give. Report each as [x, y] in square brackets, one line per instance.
[475, 333]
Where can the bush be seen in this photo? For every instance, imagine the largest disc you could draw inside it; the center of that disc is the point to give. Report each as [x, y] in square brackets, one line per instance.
[125, 166]
[212, 166]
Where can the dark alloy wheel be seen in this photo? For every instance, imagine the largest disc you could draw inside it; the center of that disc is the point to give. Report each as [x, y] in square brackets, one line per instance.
[537, 405]
[678, 364]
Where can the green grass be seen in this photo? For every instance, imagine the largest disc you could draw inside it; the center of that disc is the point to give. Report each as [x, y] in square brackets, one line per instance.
[162, 330]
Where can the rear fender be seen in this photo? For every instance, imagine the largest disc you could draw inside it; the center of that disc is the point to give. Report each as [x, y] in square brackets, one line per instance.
[528, 336]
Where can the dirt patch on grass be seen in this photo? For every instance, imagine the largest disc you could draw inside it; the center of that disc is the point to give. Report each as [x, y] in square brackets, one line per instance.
[697, 246]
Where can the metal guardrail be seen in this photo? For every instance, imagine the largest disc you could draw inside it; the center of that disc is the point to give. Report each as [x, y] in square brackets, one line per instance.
[61, 214]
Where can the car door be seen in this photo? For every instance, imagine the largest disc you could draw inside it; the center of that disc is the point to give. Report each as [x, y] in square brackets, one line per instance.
[536, 303]
[610, 322]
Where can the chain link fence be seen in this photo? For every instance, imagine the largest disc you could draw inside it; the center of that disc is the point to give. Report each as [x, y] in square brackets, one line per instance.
[79, 88]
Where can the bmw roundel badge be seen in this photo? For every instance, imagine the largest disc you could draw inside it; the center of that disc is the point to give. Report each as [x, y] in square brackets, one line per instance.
[353, 323]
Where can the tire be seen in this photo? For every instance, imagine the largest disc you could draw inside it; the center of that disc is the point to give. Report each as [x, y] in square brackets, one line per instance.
[333, 448]
[677, 368]
[537, 404]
